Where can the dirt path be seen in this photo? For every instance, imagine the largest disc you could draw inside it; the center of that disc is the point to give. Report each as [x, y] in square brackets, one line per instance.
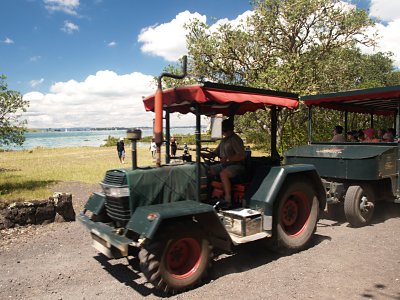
[57, 262]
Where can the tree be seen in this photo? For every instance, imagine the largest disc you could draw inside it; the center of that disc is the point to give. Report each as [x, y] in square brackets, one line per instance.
[12, 128]
[301, 46]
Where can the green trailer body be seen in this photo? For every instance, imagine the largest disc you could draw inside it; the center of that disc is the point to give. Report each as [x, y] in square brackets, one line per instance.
[348, 161]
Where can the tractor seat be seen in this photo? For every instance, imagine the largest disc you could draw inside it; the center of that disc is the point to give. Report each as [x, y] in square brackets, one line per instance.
[238, 182]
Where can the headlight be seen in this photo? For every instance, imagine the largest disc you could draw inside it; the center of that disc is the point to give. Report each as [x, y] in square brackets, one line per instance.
[115, 191]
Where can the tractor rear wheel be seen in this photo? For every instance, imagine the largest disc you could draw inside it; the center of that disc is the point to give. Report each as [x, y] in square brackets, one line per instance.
[176, 260]
[359, 204]
[296, 216]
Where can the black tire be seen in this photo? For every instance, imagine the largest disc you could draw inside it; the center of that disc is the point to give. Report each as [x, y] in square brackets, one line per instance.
[295, 216]
[176, 260]
[359, 204]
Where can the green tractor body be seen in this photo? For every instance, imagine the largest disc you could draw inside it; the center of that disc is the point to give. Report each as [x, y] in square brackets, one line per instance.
[166, 215]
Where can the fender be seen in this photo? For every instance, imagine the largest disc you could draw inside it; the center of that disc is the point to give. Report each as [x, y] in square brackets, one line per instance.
[270, 187]
[148, 220]
[96, 203]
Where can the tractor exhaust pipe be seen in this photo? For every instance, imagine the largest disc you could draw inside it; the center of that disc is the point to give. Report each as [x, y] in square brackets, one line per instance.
[134, 135]
[158, 108]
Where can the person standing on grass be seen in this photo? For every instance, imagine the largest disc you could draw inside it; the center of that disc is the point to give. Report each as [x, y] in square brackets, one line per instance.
[174, 146]
[121, 150]
[153, 148]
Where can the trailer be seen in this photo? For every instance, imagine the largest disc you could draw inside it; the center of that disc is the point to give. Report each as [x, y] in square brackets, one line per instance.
[355, 174]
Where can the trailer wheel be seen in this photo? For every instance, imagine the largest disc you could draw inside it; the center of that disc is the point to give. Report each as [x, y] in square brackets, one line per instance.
[359, 204]
[296, 216]
[176, 260]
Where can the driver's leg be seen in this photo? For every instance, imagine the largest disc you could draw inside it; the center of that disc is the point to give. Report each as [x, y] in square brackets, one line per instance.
[225, 176]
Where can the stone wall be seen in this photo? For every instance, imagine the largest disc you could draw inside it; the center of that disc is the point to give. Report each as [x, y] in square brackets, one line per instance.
[57, 209]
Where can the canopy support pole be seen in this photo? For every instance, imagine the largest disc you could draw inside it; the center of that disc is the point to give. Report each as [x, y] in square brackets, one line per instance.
[372, 121]
[274, 121]
[397, 121]
[167, 136]
[198, 150]
[309, 125]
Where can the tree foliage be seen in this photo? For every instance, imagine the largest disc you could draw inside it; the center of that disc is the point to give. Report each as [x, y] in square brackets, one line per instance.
[300, 46]
[12, 128]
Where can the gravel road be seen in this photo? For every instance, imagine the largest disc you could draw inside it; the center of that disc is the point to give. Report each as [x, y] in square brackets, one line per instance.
[57, 261]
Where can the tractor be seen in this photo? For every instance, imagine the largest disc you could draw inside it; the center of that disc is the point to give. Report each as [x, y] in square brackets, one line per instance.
[166, 216]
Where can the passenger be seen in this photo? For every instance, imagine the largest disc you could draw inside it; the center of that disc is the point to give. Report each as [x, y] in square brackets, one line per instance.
[370, 136]
[380, 133]
[337, 135]
[352, 136]
[231, 152]
[388, 136]
[392, 134]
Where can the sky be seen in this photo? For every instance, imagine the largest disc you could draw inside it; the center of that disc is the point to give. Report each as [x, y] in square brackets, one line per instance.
[88, 63]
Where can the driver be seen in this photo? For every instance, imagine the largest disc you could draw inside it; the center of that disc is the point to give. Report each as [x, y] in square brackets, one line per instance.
[231, 153]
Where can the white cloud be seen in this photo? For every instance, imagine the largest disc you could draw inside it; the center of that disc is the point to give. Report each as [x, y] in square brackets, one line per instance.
[69, 27]
[67, 6]
[35, 58]
[387, 33]
[240, 20]
[35, 83]
[112, 44]
[168, 39]
[105, 99]
[386, 10]
[7, 40]
[388, 40]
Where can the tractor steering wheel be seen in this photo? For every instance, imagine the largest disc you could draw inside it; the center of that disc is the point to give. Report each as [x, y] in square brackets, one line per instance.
[205, 154]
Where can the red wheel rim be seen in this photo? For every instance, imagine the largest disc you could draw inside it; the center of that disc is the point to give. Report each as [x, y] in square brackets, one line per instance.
[295, 213]
[183, 258]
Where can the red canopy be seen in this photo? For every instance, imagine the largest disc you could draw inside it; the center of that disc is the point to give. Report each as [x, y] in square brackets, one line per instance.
[380, 101]
[221, 99]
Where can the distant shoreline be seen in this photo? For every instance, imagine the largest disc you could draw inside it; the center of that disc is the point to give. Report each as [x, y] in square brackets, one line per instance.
[66, 129]
[80, 137]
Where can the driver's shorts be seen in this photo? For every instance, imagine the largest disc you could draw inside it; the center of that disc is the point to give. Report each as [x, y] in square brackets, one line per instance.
[234, 169]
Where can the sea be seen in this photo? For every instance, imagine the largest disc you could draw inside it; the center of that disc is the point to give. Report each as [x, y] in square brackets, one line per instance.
[73, 138]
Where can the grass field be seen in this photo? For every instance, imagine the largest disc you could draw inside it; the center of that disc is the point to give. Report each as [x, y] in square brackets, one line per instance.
[29, 175]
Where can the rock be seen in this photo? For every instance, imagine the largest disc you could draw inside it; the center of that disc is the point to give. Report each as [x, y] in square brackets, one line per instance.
[20, 213]
[63, 206]
[26, 215]
[3, 219]
[45, 212]
[58, 208]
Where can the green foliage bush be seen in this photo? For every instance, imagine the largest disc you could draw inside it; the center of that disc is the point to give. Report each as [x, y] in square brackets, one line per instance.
[112, 141]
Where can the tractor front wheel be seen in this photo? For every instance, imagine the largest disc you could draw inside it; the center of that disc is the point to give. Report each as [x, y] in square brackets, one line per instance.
[176, 260]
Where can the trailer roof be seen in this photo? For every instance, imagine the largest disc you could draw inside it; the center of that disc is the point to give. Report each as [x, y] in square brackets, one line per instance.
[380, 101]
[215, 98]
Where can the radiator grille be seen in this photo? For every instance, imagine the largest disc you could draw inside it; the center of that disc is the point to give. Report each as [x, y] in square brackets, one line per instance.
[118, 209]
[115, 177]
